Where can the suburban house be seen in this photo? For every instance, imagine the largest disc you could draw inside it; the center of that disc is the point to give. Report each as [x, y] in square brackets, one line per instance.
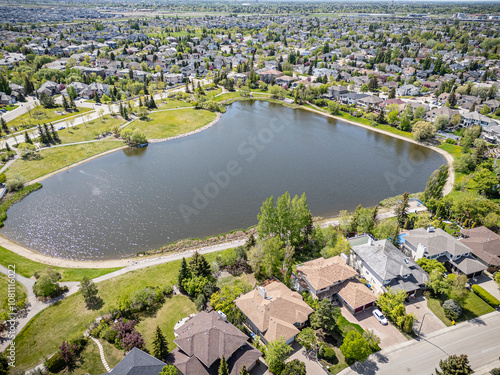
[49, 88]
[384, 266]
[138, 362]
[370, 101]
[408, 90]
[332, 278]
[437, 244]
[334, 92]
[269, 75]
[285, 80]
[491, 133]
[474, 118]
[485, 245]
[273, 311]
[173, 78]
[204, 339]
[351, 98]
[446, 111]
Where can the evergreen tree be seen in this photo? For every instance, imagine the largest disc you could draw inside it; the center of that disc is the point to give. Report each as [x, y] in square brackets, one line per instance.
[401, 209]
[223, 370]
[381, 117]
[121, 110]
[97, 99]
[452, 99]
[43, 137]
[184, 274]
[392, 93]
[27, 138]
[140, 102]
[160, 345]
[5, 128]
[125, 113]
[7, 147]
[65, 103]
[48, 136]
[395, 236]
[55, 136]
[244, 370]
[72, 103]
[199, 266]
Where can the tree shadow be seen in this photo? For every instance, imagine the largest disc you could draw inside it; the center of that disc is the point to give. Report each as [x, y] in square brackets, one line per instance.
[368, 367]
[95, 304]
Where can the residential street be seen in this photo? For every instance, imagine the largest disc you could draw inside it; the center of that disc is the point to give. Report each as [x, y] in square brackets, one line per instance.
[477, 338]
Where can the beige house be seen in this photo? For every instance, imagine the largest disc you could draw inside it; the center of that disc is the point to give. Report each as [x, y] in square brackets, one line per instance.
[274, 311]
[333, 278]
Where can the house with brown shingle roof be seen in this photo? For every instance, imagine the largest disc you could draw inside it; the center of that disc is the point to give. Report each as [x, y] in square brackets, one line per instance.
[332, 278]
[204, 339]
[274, 311]
[485, 245]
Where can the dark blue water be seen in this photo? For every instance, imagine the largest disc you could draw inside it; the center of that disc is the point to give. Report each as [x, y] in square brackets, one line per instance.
[215, 181]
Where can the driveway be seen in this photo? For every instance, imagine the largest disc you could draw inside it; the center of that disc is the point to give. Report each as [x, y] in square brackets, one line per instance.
[431, 322]
[488, 284]
[389, 335]
[312, 367]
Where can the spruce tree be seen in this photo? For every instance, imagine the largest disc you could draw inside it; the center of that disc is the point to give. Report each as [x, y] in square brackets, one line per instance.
[43, 137]
[199, 266]
[125, 113]
[184, 274]
[160, 345]
[27, 138]
[5, 128]
[7, 147]
[223, 370]
[121, 109]
[48, 136]
[65, 103]
[244, 370]
[55, 136]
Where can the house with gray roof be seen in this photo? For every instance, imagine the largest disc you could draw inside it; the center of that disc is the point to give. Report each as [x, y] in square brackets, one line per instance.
[437, 244]
[382, 265]
[137, 362]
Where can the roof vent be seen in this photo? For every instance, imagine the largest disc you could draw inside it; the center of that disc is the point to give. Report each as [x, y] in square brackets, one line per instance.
[222, 315]
[262, 292]
[430, 229]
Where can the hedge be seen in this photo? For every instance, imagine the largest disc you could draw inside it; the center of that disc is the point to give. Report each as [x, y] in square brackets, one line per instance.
[485, 296]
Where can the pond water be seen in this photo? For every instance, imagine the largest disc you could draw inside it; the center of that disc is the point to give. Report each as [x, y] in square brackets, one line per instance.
[215, 181]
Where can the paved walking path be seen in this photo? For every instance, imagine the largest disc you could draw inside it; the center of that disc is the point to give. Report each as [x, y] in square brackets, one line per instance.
[101, 352]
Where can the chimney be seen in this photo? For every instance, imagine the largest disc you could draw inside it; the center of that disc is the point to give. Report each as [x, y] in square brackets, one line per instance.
[262, 292]
[222, 315]
[421, 250]
[343, 257]
[430, 229]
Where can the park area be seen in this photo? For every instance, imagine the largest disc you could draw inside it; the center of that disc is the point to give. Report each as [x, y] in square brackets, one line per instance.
[40, 115]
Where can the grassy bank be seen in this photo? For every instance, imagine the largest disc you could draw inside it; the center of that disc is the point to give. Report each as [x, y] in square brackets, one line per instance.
[58, 157]
[39, 339]
[172, 123]
[8, 201]
[21, 294]
[171, 103]
[27, 268]
[42, 115]
[472, 308]
[89, 131]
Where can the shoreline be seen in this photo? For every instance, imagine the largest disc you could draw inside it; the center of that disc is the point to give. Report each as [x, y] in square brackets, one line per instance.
[60, 262]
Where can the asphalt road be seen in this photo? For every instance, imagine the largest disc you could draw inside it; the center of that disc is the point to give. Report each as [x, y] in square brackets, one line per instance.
[478, 338]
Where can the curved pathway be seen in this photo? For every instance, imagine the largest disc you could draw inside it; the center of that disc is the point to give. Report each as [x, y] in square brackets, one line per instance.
[101, 352]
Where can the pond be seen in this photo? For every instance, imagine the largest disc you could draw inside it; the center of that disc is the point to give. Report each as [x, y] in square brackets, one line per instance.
[215, 181]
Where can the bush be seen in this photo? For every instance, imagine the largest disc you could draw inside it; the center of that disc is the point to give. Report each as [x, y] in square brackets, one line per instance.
[326, 353]
[109, 334]
[55, 363]
[495, 371]
[451, 141]
[485, 296]
[452, 309]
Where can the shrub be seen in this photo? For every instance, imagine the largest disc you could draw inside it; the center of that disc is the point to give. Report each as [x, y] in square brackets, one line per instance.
[452, 309]
[495, 371]
[326, 353]
[55, 363]
[451, 141]
[109, 334]
[485, 296]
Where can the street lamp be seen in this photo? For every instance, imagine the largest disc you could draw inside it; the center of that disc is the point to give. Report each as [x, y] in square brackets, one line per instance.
[422, 323]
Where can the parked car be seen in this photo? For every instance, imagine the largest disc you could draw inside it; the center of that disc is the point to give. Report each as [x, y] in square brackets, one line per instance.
[380, 317]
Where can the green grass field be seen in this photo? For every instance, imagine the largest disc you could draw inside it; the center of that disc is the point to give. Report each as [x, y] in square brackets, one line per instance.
[472, 308]
[59, 157]
[89, 131]
[227, 96]
[173, 310]
[42, 115]
[20, 293]
[171, 103]
[39, 339]
[27, 268]
[171, 123]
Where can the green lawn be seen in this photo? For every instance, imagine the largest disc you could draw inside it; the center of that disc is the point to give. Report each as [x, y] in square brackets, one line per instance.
[112, 354]
[173, 310]
[454, 150]
[20, 293]
[59, 157]
[227, 96]
[40, 339]
[27, 268]
[213, 93]
[42, 115]
[472, 308]
[244, 281]
[89, 132]
[89, 362]
[171, 123]
[171, 103]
